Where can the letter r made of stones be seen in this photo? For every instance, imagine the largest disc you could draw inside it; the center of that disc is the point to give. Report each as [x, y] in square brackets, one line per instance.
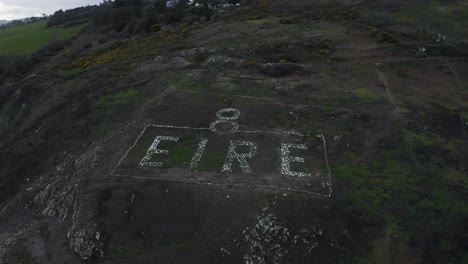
[241, 157]
[153, 149]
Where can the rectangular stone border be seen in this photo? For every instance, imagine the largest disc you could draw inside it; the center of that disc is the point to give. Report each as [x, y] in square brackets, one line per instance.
[328, 183]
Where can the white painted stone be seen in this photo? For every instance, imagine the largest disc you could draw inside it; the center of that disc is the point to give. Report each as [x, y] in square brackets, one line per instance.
[232, 114]
[286, 160]
[153, 149]
[221, 114]
[234, 127]
[198, 154]
[241, 157]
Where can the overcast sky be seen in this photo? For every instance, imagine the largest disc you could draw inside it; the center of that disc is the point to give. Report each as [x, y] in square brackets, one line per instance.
[14, 9]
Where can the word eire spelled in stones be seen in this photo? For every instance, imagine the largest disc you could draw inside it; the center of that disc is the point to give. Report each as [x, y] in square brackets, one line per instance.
[222, 154]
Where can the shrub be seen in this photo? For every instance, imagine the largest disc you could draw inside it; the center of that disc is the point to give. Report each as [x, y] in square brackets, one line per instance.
[155, 28]
[324, 52]
[373, 32]
[250, 63]
[68, 52]
[381, 37]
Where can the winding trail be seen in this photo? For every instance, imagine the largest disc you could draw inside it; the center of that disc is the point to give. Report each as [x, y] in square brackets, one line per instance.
[390, 97]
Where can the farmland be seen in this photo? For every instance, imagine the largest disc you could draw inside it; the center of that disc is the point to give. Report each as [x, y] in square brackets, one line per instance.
[27, 39]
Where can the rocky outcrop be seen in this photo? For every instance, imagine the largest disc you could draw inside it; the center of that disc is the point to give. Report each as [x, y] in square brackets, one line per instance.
[283, 69]
[62, 198]
[59, 194]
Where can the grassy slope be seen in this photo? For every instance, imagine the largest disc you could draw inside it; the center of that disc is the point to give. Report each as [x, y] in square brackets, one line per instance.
[27, 39]
[407, 193]
[445, 17]
[407, 188]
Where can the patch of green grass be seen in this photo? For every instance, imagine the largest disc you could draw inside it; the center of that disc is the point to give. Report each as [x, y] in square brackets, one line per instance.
[27, 39]
[183, 152]
[432, 140]
[212, 161]
[141, 151]
[465, 115]
[381, 248]
[119, 99]
[455, 177]
[124, 253]
[375, 182]
[187, 83]
[225, 87]
[262, 21]
[396, 187]
[258, 88]
[367, 96]
[447, 104]
[111, 109]
[325, 72]
[361, 69]
[181, 246]
[426, 140]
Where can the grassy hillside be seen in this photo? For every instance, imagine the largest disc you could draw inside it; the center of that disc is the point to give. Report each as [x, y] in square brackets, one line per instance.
[381, 106]
[27, 39]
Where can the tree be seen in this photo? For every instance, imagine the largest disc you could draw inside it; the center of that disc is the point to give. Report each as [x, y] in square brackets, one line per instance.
[233, 2]
[119, 3]
[135, 2]
[183, 4]
[198, 11]
[207, 4]
[160, 6]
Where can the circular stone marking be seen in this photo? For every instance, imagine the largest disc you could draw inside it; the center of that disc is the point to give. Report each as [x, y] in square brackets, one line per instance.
[226, 116]
[235, 114]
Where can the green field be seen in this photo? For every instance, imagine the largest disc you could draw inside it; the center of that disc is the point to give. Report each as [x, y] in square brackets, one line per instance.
[27, 39]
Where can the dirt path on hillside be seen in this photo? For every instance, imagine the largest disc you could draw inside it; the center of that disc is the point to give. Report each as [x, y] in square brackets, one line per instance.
[390, 96]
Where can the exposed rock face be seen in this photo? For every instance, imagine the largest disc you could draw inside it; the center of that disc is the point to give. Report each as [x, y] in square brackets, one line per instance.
[59, 195]
[269, 240]
[283, 69]
[63, 199]
[266, 240]
[224, 61]
[9, 106]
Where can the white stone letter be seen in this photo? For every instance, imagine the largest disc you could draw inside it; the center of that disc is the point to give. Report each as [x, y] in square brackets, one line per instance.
[241, 157]
[153, 149]
[198, 154]
[286, 160]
